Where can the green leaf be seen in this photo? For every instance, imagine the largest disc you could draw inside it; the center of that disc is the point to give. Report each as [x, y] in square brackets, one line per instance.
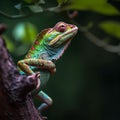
[34, 1]
[61, 1]
[9, 43]
[100, 6]
[111, 27]
[36, 8]
[25, 32]
[30, 1]
[41, 2]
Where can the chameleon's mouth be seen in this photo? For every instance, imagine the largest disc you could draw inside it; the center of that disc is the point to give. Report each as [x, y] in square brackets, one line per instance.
[63, 38]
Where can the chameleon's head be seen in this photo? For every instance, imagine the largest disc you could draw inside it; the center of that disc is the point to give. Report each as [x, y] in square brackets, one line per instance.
[57, 39]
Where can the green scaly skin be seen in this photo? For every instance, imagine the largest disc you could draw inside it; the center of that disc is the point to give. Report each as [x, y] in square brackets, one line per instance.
[48, 47]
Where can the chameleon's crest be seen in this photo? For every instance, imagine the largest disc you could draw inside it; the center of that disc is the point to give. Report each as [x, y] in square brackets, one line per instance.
[41, 34]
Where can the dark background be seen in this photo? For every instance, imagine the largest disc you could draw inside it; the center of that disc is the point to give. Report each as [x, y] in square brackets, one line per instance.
[86, 85]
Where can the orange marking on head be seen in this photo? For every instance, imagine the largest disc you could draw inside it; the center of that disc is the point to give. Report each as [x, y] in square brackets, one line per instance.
[37, 42]
[32, 48]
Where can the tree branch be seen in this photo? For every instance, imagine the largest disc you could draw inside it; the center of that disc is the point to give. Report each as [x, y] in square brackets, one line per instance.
[15, 99]
[21, 16]
[97, 41]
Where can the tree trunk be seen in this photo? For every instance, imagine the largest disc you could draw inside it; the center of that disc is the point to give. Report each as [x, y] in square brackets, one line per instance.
[15, 98]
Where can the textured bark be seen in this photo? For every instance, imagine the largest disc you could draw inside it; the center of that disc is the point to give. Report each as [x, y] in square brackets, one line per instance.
[15, 99]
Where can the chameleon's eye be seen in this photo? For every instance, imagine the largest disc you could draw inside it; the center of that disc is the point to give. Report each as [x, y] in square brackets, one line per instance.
[61, 28]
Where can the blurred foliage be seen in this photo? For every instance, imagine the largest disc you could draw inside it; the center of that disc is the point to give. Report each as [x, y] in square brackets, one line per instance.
[112, 28]
[36, 8]
[86, 84]
[10, 44]
[31, 1]
[61, 1]
[25, 32]
[101, 6]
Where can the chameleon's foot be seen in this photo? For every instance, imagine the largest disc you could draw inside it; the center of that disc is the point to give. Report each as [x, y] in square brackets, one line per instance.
[47, 101]
[36, 77]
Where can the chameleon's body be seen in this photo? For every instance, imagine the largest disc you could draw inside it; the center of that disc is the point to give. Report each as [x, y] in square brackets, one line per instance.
[47, 48]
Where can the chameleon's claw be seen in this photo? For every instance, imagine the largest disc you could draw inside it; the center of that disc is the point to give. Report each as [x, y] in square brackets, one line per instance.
[38, 83]
[37, 74]
[38, 80]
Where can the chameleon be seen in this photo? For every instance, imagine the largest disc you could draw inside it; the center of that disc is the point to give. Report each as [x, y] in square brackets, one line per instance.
[48, 47]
